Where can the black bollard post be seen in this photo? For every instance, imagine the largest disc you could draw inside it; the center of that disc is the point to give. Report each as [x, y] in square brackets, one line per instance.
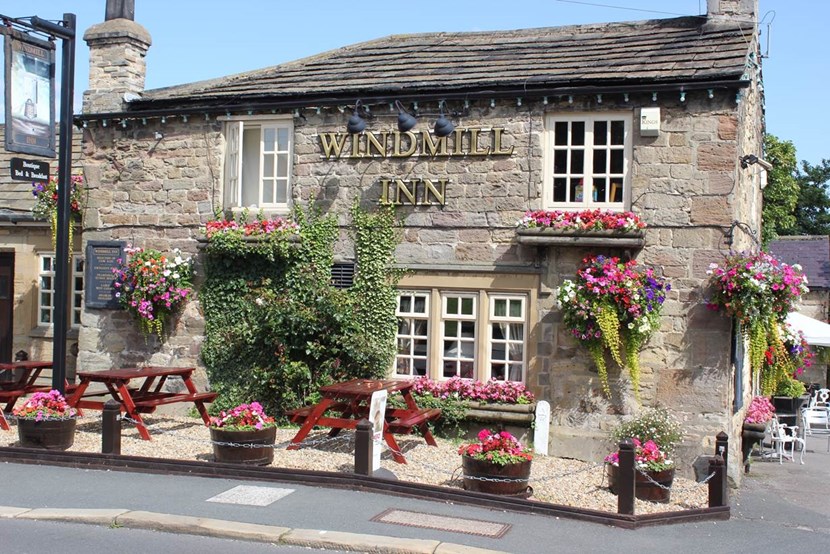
[625, 485]
[718, 489]
[722, 447]
[363, 446]
[111, 428]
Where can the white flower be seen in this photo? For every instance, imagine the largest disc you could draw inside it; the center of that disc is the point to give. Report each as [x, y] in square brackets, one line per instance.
[166, 273]
[176, 276]
[178, 260]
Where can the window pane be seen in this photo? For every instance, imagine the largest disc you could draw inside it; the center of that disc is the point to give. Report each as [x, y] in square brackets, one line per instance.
[452, 305]
[497, 371]
[516, 308]
[515, 372]
[560, 133]
[450, 328]
[497, 352]
[420, 367]
[282, 165]
[467, 306]
[419, 327]
[578, 133]
[46, 263]
[282, 191]
[617, 161]
[250, 167]
[496, 332]
[404, 303]
[600, 132]
[404, 345]
[577, 161]
[468, 329]
[599, 190]
[268, 166]
[282, 139]
[269, 137]
[403, 326]
[618, 132]
[500, 307]
[616, 191]
[420, 305]
[45, 299]
[467, 370]
[449, 369]
[560, 189]
[420, 347]
[599, 161]
[467, 349]
[402, 366]
[560, 161]
[451, 348]
[268, 191]
[576, 190]
[45, 316]
[517, 331]
[46, 282]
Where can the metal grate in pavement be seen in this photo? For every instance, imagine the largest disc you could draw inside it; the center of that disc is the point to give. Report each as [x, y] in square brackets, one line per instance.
[425, 520]
[251, 496]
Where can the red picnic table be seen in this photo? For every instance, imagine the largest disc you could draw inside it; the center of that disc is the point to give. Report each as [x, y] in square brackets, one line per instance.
[143, 399]
[344, 404]
[22, 382]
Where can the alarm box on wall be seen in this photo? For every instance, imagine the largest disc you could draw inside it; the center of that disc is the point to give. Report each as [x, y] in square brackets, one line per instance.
[649, 122]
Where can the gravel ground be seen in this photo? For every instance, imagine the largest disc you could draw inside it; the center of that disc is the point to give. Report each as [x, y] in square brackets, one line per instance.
[555, 480]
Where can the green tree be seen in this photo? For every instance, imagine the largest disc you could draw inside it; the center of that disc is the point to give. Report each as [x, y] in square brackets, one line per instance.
[781, 193]
[812, 212]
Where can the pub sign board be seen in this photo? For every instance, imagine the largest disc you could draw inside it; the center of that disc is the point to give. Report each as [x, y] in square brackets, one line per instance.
[30, 95]
[101, 257]
[29, 170]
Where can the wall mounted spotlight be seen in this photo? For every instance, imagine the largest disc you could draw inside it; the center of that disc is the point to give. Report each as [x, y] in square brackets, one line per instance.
[751, 159]
[406, 120]
[443, 126]
[356, 123]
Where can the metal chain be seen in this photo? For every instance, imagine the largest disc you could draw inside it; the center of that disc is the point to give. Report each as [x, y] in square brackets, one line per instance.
[676, 489]
[305, 444]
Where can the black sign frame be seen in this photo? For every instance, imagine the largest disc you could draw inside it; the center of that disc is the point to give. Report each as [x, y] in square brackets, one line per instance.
[101, 257]
[34, 171]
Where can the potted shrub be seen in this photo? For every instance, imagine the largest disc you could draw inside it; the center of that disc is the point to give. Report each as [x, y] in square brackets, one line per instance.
[789, 396]
[612, 305]
[243, 435]
[47, 421]
[655, 435]
[758, 415]
[498, 456]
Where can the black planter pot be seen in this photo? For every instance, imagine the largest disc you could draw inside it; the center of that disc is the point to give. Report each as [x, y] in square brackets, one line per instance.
[259, 452]
[751, 434]
[646, 487]
[787, 404]
[516, 477]
[50, 434]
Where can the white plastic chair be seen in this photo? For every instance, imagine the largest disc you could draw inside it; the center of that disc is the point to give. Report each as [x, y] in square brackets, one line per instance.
[817, 423]
[820, 399]
[780, 440]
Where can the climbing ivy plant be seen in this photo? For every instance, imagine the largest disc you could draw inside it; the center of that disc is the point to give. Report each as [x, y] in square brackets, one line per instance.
[276, 330]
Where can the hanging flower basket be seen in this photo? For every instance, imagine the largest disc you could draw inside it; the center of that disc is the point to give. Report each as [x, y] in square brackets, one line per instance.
[46, 204]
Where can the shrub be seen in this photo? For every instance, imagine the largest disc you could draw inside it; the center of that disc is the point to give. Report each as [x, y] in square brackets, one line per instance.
[653, 424]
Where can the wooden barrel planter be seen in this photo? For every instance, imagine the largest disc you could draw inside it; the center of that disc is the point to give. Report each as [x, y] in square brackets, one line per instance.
[259, 451]
[516, 477]
[49, 434]
[644, 485]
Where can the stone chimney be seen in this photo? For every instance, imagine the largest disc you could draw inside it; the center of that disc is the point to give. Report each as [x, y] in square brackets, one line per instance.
[116, 58]
[745, 10]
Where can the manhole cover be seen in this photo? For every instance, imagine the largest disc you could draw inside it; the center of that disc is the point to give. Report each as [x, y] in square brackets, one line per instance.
[424, 520]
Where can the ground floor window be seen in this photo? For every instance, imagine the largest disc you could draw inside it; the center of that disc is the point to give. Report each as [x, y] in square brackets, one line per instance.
[46, 289]
[445, 332]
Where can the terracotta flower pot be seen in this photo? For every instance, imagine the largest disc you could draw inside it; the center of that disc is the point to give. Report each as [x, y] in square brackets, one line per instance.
[260, 453]
[646, 487]
[50, 434]
[515, 475]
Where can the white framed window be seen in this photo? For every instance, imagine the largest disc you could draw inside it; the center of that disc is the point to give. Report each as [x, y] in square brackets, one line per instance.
[507, 337]
[46, 290]
[258, 163]
[458, 335]
[587, 161]
[413, 334]
[472, 334]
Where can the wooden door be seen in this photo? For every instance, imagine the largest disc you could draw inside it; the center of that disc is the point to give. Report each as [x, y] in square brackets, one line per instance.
[6, 303]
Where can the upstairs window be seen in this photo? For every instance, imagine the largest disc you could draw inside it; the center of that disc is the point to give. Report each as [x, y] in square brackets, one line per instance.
[258, 164]
[587, 161]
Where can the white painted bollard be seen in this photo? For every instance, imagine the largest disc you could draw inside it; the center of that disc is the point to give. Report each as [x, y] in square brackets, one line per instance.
[542, 428]
[377, 411]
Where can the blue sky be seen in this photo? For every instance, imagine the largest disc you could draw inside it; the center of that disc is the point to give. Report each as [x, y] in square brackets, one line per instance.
[195, 40]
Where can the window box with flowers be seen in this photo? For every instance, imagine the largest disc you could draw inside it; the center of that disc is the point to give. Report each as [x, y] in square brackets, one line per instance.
[759, 291]
[46, 204]
[614, 306]
[152, 286]
[266, 237]
[582, 228]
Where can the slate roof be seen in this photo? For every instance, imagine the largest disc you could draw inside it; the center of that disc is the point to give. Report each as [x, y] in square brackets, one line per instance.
[811, 251]
[681, 50]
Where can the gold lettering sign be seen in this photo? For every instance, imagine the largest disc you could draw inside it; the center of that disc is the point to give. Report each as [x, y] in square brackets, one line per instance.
[416, 192]
[470, 141]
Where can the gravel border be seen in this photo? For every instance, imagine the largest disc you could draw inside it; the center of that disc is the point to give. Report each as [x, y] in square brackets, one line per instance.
[554, 480]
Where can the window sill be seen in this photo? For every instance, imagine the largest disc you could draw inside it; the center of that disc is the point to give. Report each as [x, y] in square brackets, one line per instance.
[558, 237]
[48, 332]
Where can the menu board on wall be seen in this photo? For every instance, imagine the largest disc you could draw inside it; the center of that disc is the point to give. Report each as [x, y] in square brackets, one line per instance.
[101, 257]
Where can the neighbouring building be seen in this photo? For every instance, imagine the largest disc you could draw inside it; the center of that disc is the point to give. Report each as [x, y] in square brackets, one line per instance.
[27, 256]
[650, 116]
